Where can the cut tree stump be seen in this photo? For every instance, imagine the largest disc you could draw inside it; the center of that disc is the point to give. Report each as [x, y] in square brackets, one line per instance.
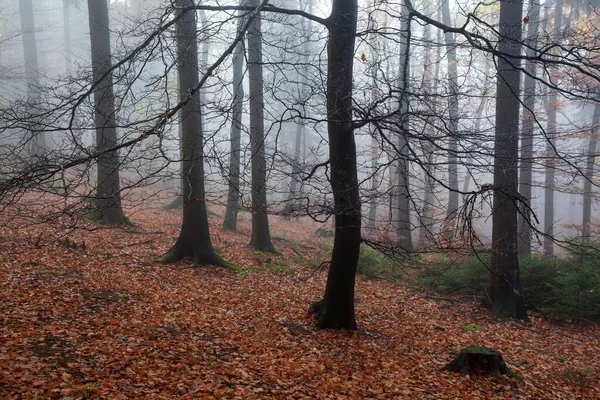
[478, 360]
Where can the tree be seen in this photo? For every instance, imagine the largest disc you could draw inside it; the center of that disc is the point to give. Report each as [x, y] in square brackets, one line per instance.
[108, 193]
[505, 282]
[549, 182]
[589, 177]
[402, 209]
[36, 140]
[337, 309]
[194, 238]
[233, 192]
[261, 236]
[453, 125]
[529, 96]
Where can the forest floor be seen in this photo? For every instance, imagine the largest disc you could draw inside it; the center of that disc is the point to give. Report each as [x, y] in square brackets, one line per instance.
[109, 322]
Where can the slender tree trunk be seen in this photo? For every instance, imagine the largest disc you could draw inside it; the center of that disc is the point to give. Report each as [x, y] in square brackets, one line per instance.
[374, 145]
[426, 228]
[233, 193]
[194, 238]
[261, 237]
[404, 226]
[108, 192]
[529, 95]
[36, 140]
[589, 177]
[337, 310]
[549, 182]
[507, 300]
[450, 222]
[296, 184]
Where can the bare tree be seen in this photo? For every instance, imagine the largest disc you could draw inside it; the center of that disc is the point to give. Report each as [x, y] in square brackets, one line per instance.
[261, 236]
[529, 97]
[194, 238]
[108, 193]
[233, 192]
[505, 285]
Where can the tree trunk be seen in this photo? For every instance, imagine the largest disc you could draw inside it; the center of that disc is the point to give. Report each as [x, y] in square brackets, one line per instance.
[450, 222]
[36, 140]
[108, 191]
[296, 184]
[589, 177]
[549, 182]
[261, 237]
[507, 301]
[194, 238]
[525, 180]
[337, 309]
[403, 227]
[233, 193]
[426, 228]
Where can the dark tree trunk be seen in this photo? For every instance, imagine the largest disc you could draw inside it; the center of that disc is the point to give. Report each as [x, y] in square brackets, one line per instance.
[589, 177]
[525, 180]
[108, 196]
[194, 238]
[404, 226]
[337, 310]
[233, 192]
[261, 237]
[505, 290]
[450, 222]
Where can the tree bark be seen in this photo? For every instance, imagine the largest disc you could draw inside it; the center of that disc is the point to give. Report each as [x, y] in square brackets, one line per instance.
[589, 177]
[529, 95]
[427, 223]
[450, 222]
[108, 196]
[261, 236]
[549, 181]
[404, 226]
[194, 238]
[507, 300]
[337, 309]
[233, 193]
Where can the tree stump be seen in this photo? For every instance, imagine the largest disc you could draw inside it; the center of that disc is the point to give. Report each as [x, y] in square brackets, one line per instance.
[478, 360]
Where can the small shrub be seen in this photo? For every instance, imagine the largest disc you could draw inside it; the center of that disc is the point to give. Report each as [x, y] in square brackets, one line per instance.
[562, 287]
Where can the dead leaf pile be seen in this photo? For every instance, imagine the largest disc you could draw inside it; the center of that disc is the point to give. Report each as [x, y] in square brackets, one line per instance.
[109, 322]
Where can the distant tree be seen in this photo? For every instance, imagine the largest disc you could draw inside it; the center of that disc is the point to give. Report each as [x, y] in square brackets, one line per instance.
[449, 224]
[505, 284]
[36, 140]
[108, 193]
[589, 177]
[261, 236]
[194, 238]
[551, 132]
[529, 97]
[233, 179]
